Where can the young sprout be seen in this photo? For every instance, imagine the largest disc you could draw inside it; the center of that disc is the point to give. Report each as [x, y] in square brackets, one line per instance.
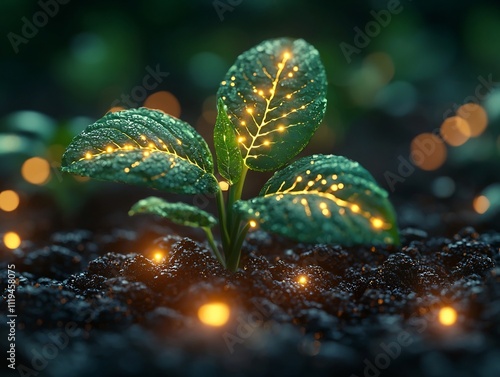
[270, 103]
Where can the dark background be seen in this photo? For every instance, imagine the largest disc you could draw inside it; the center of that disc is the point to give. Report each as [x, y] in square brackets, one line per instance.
[417, 70]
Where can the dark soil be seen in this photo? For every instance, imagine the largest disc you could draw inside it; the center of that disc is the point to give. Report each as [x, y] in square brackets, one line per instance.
[364, 310]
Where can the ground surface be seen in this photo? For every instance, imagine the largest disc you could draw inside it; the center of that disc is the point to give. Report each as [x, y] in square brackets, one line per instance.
[91, 305]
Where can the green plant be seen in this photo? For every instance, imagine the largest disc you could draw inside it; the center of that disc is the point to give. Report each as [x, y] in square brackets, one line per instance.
[270, 103]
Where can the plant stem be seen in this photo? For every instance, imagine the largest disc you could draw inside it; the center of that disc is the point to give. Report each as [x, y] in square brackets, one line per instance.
[233, 263]
[233, 250]
[213, 246]
[222, 221]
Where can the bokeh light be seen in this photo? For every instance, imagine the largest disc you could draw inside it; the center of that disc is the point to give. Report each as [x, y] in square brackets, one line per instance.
[455, 131]
[12, 240]
[214, 314]
[164, 101]
[36, 170]
[428, 151]
[115, 109]
[447, 316]
[9, 200]
[302, 280]
[475, 116]
[481, 204]
[224, 186]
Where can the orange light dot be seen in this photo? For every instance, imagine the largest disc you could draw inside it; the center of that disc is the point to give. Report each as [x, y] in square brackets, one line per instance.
[36, 170]
[9, 200]
[109, 149]
[302, 280]
[249, 110]
[355, 208]
[11, 240]
[164, 101]
[224, 186]
[253, 224]
[447, 316]
[377, 223]
[476, 117]
[214, 314]
[428, 151]
[115, 109]
[481, 204]
[455, 131]
[158, 256]
[286, 55]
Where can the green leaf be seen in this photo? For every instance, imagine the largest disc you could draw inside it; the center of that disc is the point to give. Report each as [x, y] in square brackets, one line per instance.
[143, 147]
[324, 199]
[179, 213]
[275, 96]
[229, 160]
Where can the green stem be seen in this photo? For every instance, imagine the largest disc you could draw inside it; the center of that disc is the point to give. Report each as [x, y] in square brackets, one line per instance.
[233, 263]
[233, 250]
[213, 246]
[222, 220]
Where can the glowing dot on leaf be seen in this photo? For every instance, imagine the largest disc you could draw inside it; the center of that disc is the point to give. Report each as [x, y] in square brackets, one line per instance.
[323, 181]
[146, 153]
[290, 74]
[233, 78]
[223, 83]
[266, 142]
[295, 69]
[215, 314]
[298, 179]
[355, 208]
[253, 223]
[11, 240]
[325, 212]
[179, 142]
[261, 93]
[310, 183]
[151, 145]
[323, 205]
[232, 84]
[303, 201]
[288, 96]
[249, 110]
[280, 65]
[243, 123]
[88, 155]
[334, 187]
[334, 177]
[341, 186]
[126, 170]
[224, 186]
[241, 139]
[377, 223]
[109, 149]
[281, 128]
[143, 137]
[447, 316]
[286, 55]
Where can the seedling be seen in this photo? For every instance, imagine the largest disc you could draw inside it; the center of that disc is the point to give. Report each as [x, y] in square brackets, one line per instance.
[270, 103]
